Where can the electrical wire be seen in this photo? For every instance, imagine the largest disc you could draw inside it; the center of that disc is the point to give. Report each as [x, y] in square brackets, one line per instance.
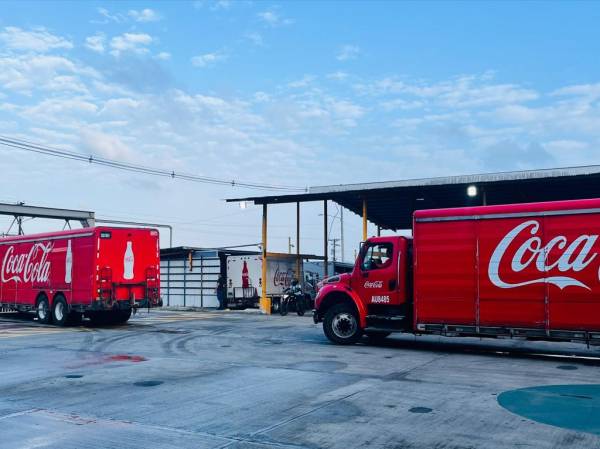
[33, 147]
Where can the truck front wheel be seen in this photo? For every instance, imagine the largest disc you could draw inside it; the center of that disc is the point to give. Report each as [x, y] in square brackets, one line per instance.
[341, 325]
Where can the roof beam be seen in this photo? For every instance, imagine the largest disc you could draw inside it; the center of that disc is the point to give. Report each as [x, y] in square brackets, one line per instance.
[86, 218]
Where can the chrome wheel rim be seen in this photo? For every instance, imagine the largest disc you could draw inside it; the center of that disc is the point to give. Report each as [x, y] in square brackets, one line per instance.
[42, 310]
[59, 311]
[344, 325]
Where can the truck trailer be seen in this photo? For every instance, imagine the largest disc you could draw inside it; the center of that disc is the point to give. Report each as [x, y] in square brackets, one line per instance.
[102, 273]
[521, 270]
[244, 279]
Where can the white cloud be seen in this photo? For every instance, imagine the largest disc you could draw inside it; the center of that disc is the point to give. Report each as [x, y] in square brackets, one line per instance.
[38, 40]
[348, 52]
[221, 4]
[339, 76]
[130, 42]
[255, 38]
[26, 73]
[208, 59]
[460, 92]
[106, 145]
[108, 17]
[61, 112]
[401, 104]
[262, 97]
[95, 43]
[589, 91]
[273, 19]
[163, 56]
[144, 15]
[305, 81]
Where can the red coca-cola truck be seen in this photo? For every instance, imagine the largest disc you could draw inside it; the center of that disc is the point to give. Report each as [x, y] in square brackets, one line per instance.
[102, 273]
[523, 270]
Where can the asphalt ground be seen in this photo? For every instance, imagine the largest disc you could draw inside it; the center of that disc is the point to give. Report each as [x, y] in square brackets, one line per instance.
[243, 380]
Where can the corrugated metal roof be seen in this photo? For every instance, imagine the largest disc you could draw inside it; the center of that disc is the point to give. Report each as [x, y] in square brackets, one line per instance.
[483, 178]
[392, 203]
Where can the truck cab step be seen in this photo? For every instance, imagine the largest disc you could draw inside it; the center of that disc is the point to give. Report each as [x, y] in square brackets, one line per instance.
[383, 329]
[386, 317]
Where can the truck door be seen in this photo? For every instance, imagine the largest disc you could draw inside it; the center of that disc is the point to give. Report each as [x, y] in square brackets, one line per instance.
[376, 273]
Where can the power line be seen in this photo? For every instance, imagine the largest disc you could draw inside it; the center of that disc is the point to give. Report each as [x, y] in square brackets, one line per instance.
[33, 147]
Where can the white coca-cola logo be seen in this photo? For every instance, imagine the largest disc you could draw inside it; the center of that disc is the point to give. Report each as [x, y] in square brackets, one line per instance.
[33, 266]
[574, 257]
[373, 284]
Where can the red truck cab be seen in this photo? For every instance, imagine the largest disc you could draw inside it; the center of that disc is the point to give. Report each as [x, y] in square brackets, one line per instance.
[375, 298]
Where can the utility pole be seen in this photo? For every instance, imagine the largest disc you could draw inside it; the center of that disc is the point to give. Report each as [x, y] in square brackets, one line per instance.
[334, 244]
[290, 246]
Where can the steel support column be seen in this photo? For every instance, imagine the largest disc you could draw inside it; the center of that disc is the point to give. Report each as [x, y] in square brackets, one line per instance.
[265, 303]
[325, 238]
[364, 220]
[299, 275]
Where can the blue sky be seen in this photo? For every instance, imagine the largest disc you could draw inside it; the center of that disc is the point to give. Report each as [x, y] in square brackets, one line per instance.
[301, 93]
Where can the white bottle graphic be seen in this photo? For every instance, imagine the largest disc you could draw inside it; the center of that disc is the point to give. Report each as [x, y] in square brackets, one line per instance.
[68, 263]
[128, 262]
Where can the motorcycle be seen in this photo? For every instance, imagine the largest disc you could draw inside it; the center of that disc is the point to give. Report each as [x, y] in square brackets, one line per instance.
[291, 295]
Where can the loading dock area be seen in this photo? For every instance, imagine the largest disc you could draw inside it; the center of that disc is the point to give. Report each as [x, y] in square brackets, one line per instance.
[390, 204]
[246, 380]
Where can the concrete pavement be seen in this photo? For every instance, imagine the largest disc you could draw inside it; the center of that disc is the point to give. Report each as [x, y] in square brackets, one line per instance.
[236, 380]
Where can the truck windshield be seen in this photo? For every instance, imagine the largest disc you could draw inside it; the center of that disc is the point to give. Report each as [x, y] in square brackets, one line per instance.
[377, 256]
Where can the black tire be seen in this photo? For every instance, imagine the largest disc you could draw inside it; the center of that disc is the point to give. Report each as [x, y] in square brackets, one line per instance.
[75, 318]
[121, 316]
[42, 310]
[283, 307]
[99, 318]
[60, 311]
[300, 306]
[341, 325]
[275, 305]
[377, 336]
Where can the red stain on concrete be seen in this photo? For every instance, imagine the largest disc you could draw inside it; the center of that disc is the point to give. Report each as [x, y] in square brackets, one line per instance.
[127, 358]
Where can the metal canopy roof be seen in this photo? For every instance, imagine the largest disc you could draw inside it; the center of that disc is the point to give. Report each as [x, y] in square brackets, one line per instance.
[391, 204]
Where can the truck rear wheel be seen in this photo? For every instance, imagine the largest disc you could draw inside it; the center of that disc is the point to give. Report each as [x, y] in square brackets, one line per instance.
[341, 325]
[121, 316]
[60, 311]
[42, 310]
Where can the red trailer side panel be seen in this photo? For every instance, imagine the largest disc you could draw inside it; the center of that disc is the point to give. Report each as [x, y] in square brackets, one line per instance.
[537, 265]
[445, 281]
[523, 306]
[37, 264]
[92, 268]
[574, 301]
